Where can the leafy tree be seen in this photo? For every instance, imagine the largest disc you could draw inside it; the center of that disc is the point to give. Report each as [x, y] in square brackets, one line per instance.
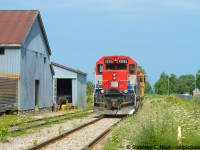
[90, 87]
[161, 86]
[172, 84]
[198, 79]
[185, 84]
[142, 70]
[148, 88]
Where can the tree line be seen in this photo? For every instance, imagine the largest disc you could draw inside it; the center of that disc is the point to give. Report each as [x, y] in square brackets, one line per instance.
[168, 84]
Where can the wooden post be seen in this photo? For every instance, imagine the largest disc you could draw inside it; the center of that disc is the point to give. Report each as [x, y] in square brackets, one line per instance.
[179, 134]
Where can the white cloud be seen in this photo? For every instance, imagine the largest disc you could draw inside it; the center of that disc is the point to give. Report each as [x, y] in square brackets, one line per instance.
[185, 5]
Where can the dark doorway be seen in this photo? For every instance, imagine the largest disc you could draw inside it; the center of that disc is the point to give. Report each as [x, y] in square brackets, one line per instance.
[64, 90]
[36, 92]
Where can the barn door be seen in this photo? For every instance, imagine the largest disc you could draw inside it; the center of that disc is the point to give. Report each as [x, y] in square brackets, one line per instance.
[36, 92]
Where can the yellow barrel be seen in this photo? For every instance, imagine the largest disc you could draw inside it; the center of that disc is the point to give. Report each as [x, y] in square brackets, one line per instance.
[63, 107]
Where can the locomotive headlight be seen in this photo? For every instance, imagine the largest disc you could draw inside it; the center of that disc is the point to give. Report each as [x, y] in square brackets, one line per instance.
[114, 74]
[125, 91]
[114, 78]
[102, 91]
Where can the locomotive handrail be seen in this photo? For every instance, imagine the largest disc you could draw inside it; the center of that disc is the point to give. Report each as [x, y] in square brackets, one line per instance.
[114, 81]
[109, 84]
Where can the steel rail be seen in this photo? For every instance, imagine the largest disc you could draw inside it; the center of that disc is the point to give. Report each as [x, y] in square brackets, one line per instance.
[59, 137]
[41, 119]
[51, 119]
[100, 137]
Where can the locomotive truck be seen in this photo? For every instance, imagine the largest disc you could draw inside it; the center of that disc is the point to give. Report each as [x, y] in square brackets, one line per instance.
[119, 85]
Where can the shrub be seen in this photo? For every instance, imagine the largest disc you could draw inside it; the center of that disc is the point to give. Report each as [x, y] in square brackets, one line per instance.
[76, 106]
[4, 126]
[89, 98]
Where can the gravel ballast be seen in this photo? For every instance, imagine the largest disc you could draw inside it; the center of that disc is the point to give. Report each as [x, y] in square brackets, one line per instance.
[38, 136]
[83, 137]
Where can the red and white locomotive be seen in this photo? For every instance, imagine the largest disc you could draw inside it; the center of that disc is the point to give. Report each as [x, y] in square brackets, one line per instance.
[119, 85]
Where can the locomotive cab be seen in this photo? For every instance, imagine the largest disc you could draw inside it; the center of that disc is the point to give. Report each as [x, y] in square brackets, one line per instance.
[115, 85]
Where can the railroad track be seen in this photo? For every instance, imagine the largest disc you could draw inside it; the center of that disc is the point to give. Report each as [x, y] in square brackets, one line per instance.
[82, 137]
[99, 138]
[40, 122]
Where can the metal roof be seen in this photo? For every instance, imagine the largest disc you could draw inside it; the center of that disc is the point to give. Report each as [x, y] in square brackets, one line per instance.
[15, 26]
[67, 68]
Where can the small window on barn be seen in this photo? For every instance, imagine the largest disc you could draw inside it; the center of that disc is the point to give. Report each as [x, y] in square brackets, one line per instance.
[45, 59]
[2, 50]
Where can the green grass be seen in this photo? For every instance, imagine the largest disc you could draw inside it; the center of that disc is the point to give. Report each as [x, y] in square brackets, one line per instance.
[21, 121]
[6, 121]
[78, 114]
[157, 124]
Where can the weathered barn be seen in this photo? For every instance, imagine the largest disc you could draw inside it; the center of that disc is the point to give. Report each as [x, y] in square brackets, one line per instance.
[69, 84]
[25, 71]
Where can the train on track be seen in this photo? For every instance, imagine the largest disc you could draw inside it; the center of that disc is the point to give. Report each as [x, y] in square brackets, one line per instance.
[119, 86]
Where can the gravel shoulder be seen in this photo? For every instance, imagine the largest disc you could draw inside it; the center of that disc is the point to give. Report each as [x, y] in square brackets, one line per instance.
[41, 135]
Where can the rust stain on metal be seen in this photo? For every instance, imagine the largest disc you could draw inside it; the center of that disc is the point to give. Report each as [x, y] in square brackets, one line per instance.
[15, 25]
[15, 76]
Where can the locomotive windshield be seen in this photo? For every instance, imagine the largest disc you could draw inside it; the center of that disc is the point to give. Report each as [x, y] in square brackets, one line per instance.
[116, 67]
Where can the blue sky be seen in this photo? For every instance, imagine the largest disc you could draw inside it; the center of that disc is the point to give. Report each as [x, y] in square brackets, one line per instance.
[160, 35]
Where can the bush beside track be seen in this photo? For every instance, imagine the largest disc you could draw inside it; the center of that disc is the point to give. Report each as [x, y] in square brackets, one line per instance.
[156, 123]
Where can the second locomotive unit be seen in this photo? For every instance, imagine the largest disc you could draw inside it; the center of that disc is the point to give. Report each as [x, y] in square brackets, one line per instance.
[119, 85]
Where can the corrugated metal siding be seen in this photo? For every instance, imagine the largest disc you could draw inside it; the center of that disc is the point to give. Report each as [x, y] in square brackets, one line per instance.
[68, 68]
[81, 88]
[9, 75]
[54, 88]
[37, 41]
[10, 61]
[33, 68]
[63, 73]
[74, 92]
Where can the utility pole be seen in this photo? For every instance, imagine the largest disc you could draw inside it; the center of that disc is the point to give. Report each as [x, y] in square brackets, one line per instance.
[168, 85]
[195, 82]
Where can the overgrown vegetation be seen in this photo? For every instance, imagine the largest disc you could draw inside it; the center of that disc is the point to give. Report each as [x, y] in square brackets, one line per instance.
[157, 124]
[89, 98]
[21, 120]
[35, 142]
[7, 120]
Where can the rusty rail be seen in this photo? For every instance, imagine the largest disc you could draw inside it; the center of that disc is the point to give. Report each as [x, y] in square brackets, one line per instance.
[48, 142]
[51, 119]
[100, 137]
